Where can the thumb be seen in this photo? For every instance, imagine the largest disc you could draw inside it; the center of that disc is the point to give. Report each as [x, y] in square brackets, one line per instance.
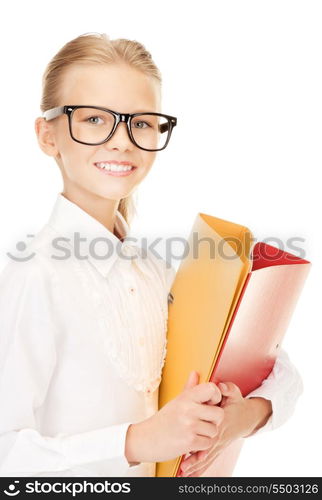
[231, 391]
[193, 380]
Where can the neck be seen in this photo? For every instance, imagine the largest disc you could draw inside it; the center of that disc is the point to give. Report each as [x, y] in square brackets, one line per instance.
[101, 209]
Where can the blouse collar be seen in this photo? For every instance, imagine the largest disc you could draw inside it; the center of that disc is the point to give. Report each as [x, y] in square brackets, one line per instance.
[89, 237]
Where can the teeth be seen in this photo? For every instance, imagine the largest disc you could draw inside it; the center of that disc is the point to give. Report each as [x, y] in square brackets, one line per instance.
[114, 167]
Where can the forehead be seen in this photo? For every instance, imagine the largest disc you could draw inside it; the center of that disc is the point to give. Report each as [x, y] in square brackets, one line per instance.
[114, 86]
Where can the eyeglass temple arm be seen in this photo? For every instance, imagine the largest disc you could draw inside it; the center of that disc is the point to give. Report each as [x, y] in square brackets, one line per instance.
[53, 113]
[164, 127]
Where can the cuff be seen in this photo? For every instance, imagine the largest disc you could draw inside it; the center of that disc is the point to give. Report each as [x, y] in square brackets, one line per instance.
[132, 465]
[106, 443]
[283, 388]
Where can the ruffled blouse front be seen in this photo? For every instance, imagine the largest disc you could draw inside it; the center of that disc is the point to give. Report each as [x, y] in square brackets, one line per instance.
[131, 312]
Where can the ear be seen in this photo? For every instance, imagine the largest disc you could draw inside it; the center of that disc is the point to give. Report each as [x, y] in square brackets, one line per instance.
[45, 137]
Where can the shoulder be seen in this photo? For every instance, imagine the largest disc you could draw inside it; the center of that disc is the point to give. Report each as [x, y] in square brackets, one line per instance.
[31, 260]
[24, 272]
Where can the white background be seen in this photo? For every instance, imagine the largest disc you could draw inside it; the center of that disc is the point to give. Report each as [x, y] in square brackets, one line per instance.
[250, 71]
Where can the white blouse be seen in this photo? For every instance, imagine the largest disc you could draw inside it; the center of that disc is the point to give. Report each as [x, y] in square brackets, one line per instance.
[83, 319]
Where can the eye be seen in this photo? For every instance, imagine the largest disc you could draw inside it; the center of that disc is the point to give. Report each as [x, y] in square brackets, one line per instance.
[141, 124]
[93, 122]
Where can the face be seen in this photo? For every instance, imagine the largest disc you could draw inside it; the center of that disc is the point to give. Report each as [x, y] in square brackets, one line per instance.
[117, 87]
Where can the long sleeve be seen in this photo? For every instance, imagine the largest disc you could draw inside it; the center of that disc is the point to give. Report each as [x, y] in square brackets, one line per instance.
[282, 387]
[28, 358]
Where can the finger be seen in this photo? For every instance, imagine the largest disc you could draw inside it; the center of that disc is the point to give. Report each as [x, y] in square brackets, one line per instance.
[202, 453]
[211, 413]
[202, 442]
[195, 458]
[198, 469]
[229, 389]
[212, 455]
[201, 456]
[192, 464]
[206, 391]
[198, 472]
[208, 429]
[193, 380]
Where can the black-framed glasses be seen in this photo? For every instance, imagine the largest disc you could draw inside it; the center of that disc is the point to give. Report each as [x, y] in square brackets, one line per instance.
[94, 125]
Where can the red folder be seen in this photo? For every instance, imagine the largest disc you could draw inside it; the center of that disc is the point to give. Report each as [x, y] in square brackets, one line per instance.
[228, 317]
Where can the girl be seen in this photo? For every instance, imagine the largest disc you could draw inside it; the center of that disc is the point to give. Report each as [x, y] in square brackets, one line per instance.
[83, 313]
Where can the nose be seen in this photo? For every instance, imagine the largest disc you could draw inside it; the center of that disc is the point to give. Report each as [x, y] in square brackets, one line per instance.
[120, 139]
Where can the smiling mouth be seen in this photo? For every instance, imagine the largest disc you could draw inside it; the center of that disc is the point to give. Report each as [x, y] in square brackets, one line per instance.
[115, 169]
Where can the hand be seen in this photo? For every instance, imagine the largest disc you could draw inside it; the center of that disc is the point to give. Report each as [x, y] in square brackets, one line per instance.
[242, 417]
[183, 424]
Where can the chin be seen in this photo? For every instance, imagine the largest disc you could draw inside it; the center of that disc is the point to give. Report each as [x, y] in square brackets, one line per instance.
[112, 195]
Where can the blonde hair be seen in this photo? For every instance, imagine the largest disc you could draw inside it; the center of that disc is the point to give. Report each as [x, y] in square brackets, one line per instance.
[96, 48]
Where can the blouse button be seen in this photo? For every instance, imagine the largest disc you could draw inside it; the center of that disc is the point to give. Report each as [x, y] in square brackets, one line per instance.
[132, 290]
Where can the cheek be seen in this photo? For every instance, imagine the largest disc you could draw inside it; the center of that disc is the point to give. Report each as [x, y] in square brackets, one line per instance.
[75, 159]
[146, 161]
[142, 172]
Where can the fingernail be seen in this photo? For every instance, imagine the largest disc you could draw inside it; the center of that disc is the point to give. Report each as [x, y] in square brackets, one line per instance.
[223, 386]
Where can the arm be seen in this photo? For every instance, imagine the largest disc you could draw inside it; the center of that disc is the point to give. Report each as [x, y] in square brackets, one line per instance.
[27, 364]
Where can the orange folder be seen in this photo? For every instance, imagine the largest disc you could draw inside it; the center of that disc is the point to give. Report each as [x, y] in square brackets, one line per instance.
[229, 308]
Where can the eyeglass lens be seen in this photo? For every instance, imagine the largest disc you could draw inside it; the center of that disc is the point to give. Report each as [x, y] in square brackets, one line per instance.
[93, 126]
